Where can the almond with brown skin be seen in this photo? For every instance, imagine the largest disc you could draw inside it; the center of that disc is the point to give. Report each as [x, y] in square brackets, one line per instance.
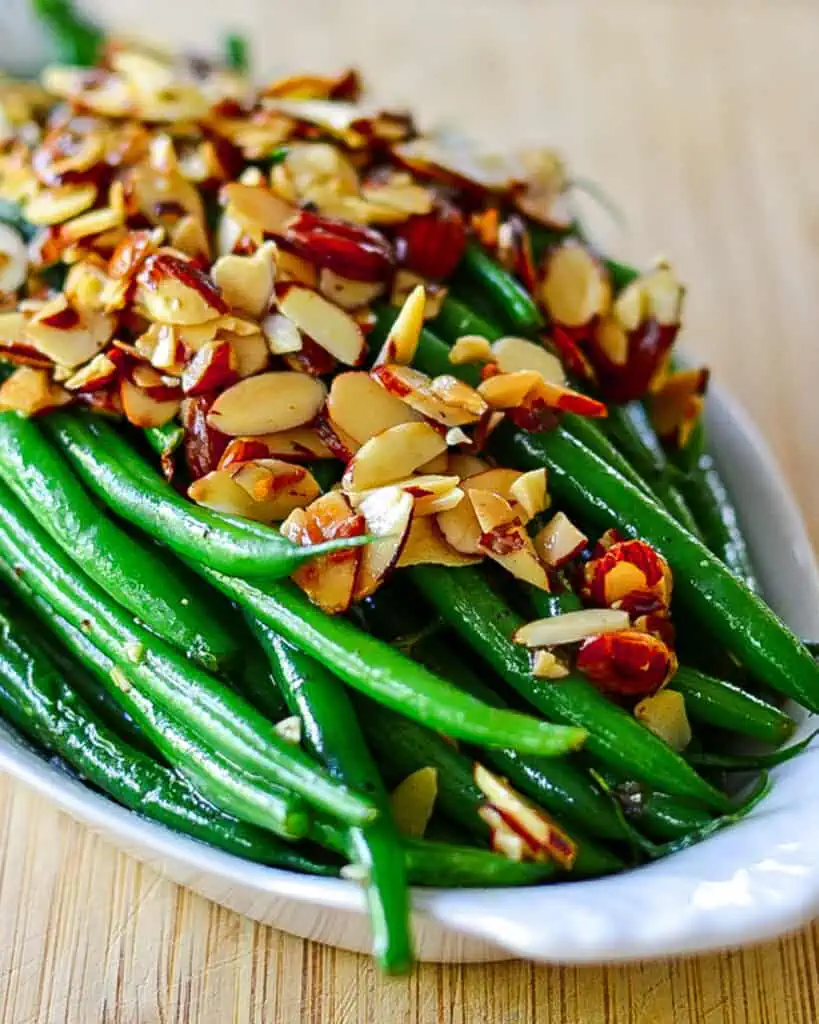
[267, 404]
[363, 409]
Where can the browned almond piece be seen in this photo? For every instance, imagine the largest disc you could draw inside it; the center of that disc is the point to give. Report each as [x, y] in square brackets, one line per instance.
[446, 400]
[65, 336]
[329, 326]
[509, 390]
[281, 334]
[559, 541]
[30, 390]
[471, 348]
[57, 205]
[426, 545]
[461, 529]
[290, 267]
[387, 513]
[462, 464]
[513, 354]
[529, 491]
[301, 444]
[13, 260]
[258, 211]
[431, 493]
[329, 581]
[246, 282]
[504, 840]
[460, 525]
[144, 411]
[529, 821]
[12, 327]
[250, 352]
[96, 374]
[173, 290]
[402, 340]
[165, 350]
[413, 801]
[439, 466]
[665, 715]
[362, 408]
[576, 286]
[571, 627]
[505, 540]
[546, 665]
[392, 455]
[345, 292]
[189, 236]
[657, 294]
[263, 490]
[267, 403]
[213, 368]
[340, 443]
[500, 481]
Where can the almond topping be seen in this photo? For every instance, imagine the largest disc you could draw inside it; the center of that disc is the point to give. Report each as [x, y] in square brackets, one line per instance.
[402, 340]
[267, 404]
[392, 455]
[471, 348]
[571, 627]
[559, 541]
[329, 326]
[363, 409]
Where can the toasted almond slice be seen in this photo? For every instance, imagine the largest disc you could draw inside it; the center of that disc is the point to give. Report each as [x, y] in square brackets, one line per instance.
[250, 352]
[462, 464]
[387, 512]
[329, 326]
[505, 540]
[290, 267]
[258, 211]
[576, 286]
[426, 546]
[500, 481]
[189, 235]
[59, 332]
[665, 715]
[403, 337]
[246, 282]
[546, 665]
[301, 444]
[471, 348]
[30, 390]
[413, 801]
[282, 334]
[512, 354]
[213, 368]
[267, 403]
[264, 490]
[340, 443]
[13, 260]
[56, 205]
[393, 455]
[664, 295]
[559, 541]
[144, 411]
[504, 840]
[508, 390]
[529, 490]
[529, 821]
[363, 409]
[173, 290]
[346, 292]
[461, 529]
[12, 328]
[96, 374]
[460, 525]
[439, 466]
[445, 399]
[329, 581]
[571, 627]
[432, 493]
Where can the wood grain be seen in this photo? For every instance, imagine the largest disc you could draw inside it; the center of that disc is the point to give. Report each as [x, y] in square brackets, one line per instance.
[703, 122]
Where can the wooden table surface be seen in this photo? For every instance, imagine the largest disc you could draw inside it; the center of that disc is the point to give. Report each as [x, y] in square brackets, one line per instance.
[702, 119]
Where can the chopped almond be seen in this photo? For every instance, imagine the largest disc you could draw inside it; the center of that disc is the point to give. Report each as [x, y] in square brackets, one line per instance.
[546, 665]
[446, 400]
[329, 580]
[559, 541]
[529, 490]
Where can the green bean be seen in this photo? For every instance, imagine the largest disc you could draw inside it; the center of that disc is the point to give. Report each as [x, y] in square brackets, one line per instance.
[138, 576]
[510, 297]
[752, 762]
[79, 42]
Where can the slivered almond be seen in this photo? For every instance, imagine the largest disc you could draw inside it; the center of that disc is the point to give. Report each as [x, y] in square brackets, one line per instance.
[576, 286]
[426, 545]
[559, 541]
[267, 403]
[505, 540]
[246, 282]
[337, 439]
[363, 409]
[329, 326]
[546, 665]
[471, 348]
[403, 337]
[387, 512]
[512, 354]
[214, 367]
[30, 390]
[173, 290]
[571, 627]
[257, 210]
[446, 400]
[282, 334]
[431, 493]
[529, 490]
[508, 390]
[392, 455]
[413, 801]
[96, 374]
[665, 715]
[144, 411]
[346, 292]
[504, 840]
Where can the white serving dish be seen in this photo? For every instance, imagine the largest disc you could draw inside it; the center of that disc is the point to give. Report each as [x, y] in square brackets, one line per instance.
[750, 882]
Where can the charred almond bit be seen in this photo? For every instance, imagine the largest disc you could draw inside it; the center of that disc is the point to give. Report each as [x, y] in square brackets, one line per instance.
[529, 490]
[267, 404]
[509, 390]
[282, 334]
[13, 260]
[426, 545]
[246, 282]
[96, 374]
[63, 335]
[571, 627]
[505, 540]
[56, 205]
[559, 541]
[363, 409]
[471, 348]
[301, 444]
[387, 512]
[546, 665]
[392, 455]
[512, 354]
[346, 292]
[144, 411]
[329, 326]
[402, 340]
[530, 822]
[30, 390]
[213, 368]
[446, 400]
[329, 581]
[576, 287]
[413, 801]
[627, 663]
[250, 351]
[665, 715]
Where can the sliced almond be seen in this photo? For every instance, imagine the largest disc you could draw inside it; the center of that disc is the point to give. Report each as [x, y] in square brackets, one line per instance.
[290, 267]
[576, 286]
[264, 490]
[462, 465]
[460, 528]
[346, 292]
[144, 411]
[505, 540]
[509, 390]
[301, 444]
[512, 354]
[439, 466]
[189, 235]
[387, 512]
[267, 403]
[246, 282]
[446, 400]
[559, 541]
[571, 627]
[426, 545]
[431, 493]
[56, 205]
[405, 333]
[340, 443]
[96, 374]
[329, 326]
[392, 455]
[504, 840]
[30, 390]
[65, 336]
[329, 581]
[13, 260]
[665, 715]
[363, 409]
[282, 334]
[471, 348]
[250, 352]
[173, 290]
[546, 665]
[213, 368]
[413, 801]
[529, 490]
[256, 209]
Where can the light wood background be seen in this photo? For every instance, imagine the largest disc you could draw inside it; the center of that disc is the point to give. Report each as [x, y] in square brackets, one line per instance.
[702, 119]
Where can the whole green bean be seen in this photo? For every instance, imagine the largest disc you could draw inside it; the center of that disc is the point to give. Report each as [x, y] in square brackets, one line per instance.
[510, 297]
